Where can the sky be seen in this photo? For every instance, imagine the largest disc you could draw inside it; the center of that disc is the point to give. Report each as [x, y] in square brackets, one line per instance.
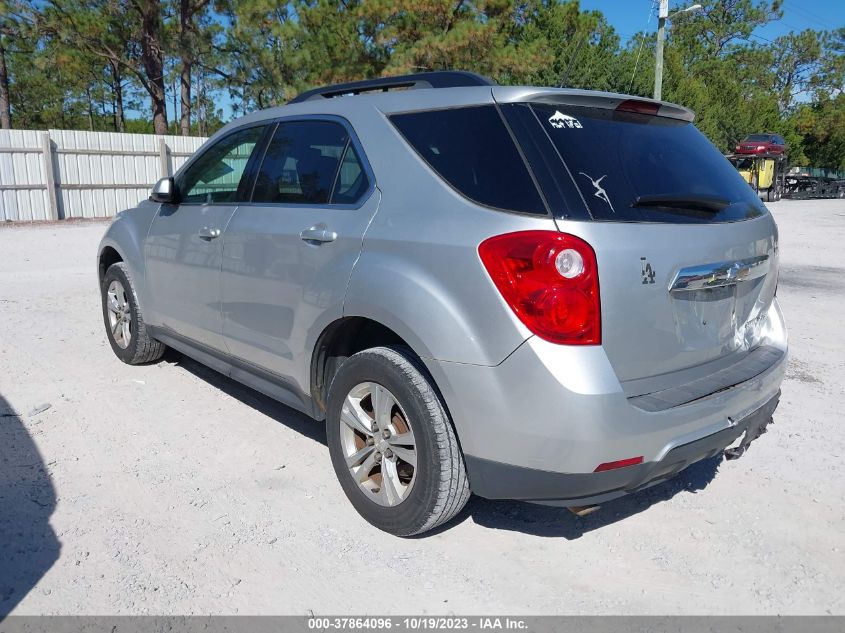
[630, 16]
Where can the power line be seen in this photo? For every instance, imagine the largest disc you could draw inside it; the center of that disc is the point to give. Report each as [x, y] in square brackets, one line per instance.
[642, 43]
[807, 14]
[760, 37]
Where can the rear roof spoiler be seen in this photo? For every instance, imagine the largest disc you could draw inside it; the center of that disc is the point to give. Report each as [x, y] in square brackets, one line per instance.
[587, 98]
[438, 79]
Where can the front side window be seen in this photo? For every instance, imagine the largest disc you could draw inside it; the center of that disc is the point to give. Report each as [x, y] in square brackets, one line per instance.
[215, 176]
[310, 162]
[471, 149]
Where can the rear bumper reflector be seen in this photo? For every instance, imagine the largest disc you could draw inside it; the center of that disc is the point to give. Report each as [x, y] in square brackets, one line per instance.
[622, 463]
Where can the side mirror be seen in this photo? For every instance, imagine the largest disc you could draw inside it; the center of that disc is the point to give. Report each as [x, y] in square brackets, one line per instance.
[164, 191]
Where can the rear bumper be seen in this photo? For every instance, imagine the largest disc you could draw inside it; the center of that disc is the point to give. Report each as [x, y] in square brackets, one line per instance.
[536, 426]
[495, 480]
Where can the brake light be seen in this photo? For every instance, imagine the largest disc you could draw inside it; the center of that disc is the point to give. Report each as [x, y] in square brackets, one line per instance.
[622, 463]
[638, 107]
[550, 280]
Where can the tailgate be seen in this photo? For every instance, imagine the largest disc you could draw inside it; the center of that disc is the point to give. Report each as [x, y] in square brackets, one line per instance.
[686, 252]
[675, 297]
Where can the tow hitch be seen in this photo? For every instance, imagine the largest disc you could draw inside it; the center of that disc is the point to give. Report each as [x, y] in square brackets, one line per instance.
[751, 434]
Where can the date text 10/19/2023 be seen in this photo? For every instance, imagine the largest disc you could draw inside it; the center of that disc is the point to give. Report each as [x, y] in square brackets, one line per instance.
[410, 623]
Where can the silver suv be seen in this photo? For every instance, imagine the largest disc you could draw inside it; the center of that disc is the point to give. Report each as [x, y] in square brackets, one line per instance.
[559, 296]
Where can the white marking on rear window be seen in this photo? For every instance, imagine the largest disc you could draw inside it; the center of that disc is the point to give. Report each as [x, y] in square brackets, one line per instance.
[560, 121]
[600, 192]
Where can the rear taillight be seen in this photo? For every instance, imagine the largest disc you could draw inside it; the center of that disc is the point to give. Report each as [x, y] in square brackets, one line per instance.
[550, 280]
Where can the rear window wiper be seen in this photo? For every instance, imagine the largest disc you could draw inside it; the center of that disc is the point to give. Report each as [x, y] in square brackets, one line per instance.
[683, 201]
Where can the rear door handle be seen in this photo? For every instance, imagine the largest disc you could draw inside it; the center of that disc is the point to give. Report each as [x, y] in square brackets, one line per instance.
[319, 234]
[206, 233]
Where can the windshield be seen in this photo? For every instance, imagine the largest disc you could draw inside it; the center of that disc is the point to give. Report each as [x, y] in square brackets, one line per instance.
[630, 167]
[758, 138]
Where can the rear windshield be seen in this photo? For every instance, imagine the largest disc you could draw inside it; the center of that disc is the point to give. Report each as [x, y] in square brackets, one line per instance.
[759, 138]
[629, 167]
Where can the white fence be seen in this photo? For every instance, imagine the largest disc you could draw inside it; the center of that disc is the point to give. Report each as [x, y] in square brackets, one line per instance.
[72, 174]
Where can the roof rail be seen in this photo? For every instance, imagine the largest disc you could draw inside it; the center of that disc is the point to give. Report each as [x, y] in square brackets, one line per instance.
[436, 79]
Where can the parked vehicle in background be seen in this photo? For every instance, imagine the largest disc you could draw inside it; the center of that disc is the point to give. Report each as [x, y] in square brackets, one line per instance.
[761, 144]
[560, 296]
[807, 187]
[764, 173]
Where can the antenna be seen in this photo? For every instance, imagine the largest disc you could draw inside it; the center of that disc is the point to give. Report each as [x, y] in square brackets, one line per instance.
[572, 61]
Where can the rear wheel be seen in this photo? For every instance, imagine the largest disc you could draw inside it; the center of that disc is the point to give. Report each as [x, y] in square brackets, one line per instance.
[125, 327]
[392, 444]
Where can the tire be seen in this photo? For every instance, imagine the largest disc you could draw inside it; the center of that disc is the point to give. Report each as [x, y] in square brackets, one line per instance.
[437, 488]
[140, 347]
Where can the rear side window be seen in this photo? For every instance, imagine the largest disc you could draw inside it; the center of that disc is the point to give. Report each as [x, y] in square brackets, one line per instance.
[641, 168]
[303, 162]
[351, 181]
[472, 150]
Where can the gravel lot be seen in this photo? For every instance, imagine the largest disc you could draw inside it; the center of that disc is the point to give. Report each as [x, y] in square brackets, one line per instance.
[168, 489]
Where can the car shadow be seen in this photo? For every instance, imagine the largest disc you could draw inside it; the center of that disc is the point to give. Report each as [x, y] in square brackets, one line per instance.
[28, 545]
[283, 414]
[517, 516]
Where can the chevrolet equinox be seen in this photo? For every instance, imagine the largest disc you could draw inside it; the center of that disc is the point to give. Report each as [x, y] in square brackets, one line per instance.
[553, 295]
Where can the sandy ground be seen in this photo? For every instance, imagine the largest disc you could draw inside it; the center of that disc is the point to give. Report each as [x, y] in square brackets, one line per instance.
[168, 489]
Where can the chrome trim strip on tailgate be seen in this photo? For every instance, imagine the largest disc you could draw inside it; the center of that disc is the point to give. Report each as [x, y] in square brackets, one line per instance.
[719, 274]
[758, 361]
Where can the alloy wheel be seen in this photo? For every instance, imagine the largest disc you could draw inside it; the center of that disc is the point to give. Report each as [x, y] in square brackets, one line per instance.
[120, 314]
[378, 444]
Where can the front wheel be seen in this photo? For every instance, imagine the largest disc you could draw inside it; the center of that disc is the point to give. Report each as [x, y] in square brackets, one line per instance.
[392, 444]
[125, 327]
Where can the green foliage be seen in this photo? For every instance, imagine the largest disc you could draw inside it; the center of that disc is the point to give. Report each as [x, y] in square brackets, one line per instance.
[71, 62]
[822, 126]
[578, 49]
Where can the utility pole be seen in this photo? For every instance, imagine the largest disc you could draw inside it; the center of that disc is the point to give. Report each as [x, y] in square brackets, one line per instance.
[662, 14]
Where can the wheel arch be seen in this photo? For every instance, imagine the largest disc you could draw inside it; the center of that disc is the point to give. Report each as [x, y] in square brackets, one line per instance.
[347, 336]
[338, 341]
[108, 256]
[124, 242]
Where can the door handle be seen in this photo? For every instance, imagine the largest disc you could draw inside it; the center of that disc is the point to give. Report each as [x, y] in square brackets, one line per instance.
[319, 234]
[206, 233]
